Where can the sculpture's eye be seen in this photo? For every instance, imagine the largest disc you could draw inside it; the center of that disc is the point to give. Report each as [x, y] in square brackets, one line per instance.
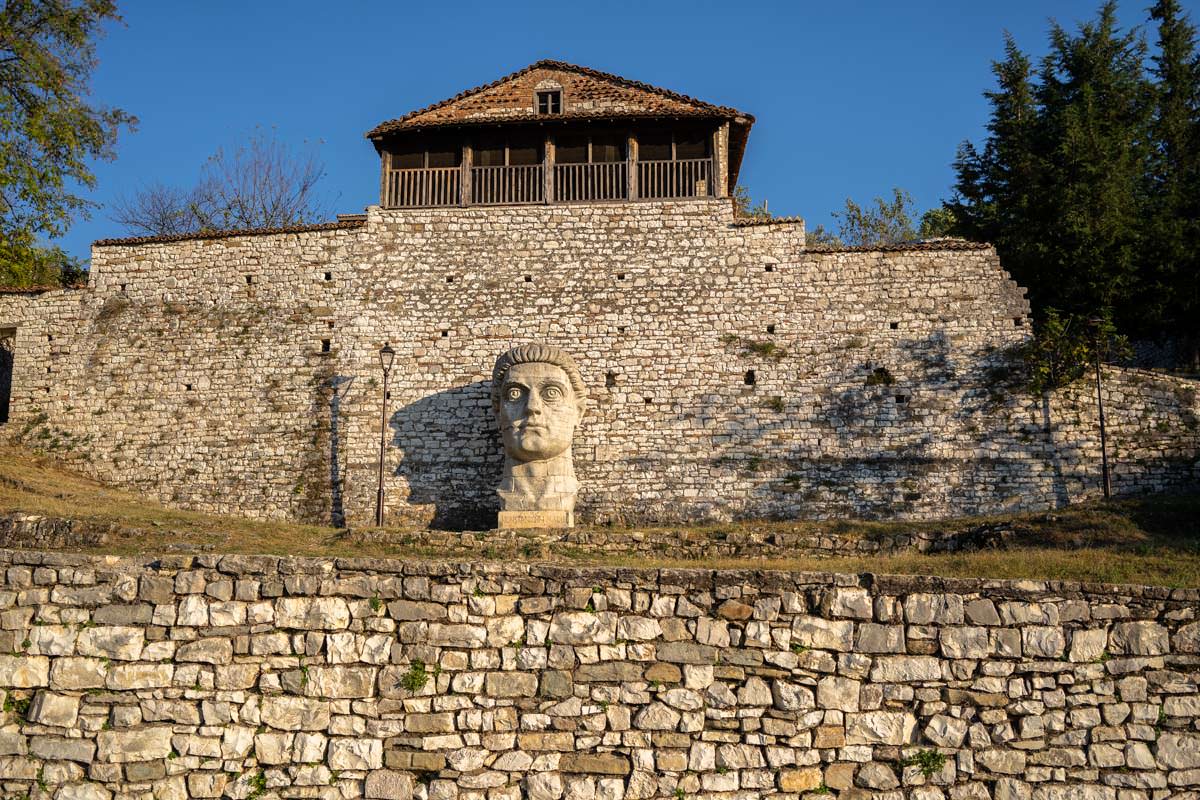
[513, 394]
[552, 393]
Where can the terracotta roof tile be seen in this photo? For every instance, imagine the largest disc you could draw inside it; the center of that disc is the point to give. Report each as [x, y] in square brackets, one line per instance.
[699, 107]
[349, 224]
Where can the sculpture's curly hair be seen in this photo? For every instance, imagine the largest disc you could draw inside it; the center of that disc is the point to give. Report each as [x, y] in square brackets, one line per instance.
[537, 353]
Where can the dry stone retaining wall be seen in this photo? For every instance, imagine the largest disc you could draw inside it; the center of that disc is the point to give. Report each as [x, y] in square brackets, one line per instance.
[733, 373]
[259, 677]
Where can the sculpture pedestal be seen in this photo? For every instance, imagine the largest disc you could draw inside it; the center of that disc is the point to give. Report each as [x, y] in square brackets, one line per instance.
[524, 520]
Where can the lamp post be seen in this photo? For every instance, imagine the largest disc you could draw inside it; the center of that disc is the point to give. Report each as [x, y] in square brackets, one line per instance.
[1095, 324]
[386, 356]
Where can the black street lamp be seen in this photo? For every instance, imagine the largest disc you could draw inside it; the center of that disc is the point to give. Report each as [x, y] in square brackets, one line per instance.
[386, 356]
[1095, 324]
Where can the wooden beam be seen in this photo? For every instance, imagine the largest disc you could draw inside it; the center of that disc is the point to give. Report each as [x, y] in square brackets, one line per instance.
[548, 169]
[631, 156]
[468, 161]
[385, 166]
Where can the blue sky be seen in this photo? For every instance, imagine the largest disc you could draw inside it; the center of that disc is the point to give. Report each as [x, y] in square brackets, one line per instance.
[851, 98]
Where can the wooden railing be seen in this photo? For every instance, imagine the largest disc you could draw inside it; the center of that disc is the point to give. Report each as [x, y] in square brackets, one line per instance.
[443, 186]
[520, 184]
[435, 186]
[683, 178]
[601, 181]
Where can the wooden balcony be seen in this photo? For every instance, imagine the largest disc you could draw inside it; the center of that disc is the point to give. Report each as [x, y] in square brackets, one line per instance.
[570, 183]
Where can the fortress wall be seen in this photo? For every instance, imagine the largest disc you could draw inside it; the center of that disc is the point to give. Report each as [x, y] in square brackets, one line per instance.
[261, 677]
[879, 383]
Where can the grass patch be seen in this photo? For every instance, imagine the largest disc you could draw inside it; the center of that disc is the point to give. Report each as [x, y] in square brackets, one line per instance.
[1151, 540]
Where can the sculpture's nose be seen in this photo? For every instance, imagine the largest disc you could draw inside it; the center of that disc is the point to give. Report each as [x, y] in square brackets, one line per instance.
[533, 403]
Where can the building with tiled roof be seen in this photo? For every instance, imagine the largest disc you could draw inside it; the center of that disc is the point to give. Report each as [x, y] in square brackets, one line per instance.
[555, 132]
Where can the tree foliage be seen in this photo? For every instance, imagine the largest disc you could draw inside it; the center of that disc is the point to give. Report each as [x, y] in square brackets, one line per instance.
[745, 207]
[1064, 347]
[1087, 181]
[261, 184]
[49, 131]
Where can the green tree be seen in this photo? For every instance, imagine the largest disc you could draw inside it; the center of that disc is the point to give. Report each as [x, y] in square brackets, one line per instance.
[49, 131]
[745, 207]
[1171, 293]
[885, 222]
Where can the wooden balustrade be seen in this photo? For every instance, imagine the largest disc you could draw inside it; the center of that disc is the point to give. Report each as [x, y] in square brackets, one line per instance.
[681, 178]
[433, 186]
[512, 184]
[600, 181]
[525, 184]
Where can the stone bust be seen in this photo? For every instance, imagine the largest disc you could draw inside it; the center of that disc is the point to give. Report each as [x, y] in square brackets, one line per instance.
[539, 398]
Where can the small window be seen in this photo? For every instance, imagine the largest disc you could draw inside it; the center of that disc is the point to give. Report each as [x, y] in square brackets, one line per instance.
[610, 380]
[326, 345]
[894, 325]
[249, 280]
[769, 268]
[770, 329]
[328, 276]
[187, 387]
[549, 102]
[620, 276]
[1018, 322]
[529, 279]
[449, 279]
[750, 378]
[445, 334]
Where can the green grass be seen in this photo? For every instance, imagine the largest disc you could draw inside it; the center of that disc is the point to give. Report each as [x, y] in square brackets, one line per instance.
[1152, 540]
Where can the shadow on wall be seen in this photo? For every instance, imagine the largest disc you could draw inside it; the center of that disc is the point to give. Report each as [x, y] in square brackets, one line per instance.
[340, 386]
[451, 457]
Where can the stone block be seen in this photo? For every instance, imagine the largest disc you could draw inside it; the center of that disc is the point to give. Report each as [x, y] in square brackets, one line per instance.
[118, 643]
[54, 710]
[295, 713]
[594, 764]
[386, 784]
[135, 744]
[312, 613]
[355, 754]
[213, 650]
[24, 672]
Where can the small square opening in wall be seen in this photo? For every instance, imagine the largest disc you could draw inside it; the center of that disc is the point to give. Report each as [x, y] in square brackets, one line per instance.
[249, 280]
[326, 345]
[1018, 322]
[445, 334]
[122, 287]
[620, 276]
[620, 329]
[610, 380]
[750, 378]
[449, 279]
[771, 329]
[187, 387]
[901, 399]
[649, 401]
[328, 276]
[49, 337]
[330, 323]
[769, 268]
[894, 325]
[49, 370]
[529, 279]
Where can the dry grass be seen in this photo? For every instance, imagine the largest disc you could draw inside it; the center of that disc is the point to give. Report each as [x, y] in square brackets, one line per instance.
[1151, 541]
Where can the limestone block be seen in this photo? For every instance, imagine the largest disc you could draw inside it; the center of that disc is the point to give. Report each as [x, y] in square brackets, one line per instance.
[1139, 639]
[415, 610]
[139, 676]
[838, 693]
[787, 696]
[213, 650]
[1179, 751]
[356, 754]
[312, 613]
[844, 602]
[386, 784]
[874, 638]
[511, 684]
[823, 634]
[946, 731]
[657, 717]
[544, 786]
[82, 791]
[1088, 645]
[135, 744]
[54, 710]
[206, 784]
[114, 642]
[295, 713]
[965, 642]
[583, 627]
[24, 672]
[457, 635]
[906, 669]
[880, 727]
[340, 682]
[595, 764]
[1042, 642]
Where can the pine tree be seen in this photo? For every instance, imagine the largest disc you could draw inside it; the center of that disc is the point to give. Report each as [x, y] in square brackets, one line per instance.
[1172, 212]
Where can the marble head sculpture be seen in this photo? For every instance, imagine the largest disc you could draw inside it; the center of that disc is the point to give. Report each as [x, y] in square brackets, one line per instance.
[539, 398]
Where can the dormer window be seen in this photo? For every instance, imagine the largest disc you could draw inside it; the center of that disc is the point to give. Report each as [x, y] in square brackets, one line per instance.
[549, 102]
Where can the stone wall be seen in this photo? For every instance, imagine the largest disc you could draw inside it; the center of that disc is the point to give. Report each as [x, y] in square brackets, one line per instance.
[259, 677]
[733, 373]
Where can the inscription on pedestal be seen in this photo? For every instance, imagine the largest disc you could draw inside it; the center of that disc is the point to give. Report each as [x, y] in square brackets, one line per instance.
[524, 520]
